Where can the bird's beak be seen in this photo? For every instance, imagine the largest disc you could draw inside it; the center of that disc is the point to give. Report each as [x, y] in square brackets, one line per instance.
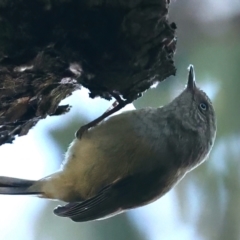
[191, 78]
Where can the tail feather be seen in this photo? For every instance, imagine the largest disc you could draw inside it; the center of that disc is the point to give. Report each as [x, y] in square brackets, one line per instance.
[17, 186]
[17, 191]
[15, 182]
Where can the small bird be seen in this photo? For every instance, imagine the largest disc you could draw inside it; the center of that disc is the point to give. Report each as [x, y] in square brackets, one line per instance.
[128, 160]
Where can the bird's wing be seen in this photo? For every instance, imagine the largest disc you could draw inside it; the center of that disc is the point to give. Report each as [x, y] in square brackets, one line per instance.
[106, 203]
[124, 193]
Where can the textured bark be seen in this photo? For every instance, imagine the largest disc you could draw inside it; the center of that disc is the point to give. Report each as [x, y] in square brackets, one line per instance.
[49, 48]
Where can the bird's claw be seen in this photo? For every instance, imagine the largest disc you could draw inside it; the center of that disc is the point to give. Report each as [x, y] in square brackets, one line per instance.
[81, 131]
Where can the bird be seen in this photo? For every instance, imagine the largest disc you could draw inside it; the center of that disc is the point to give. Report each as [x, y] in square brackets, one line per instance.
[129, 160]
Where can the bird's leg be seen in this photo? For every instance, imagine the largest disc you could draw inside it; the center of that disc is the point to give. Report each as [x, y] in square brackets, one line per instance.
[117, 105]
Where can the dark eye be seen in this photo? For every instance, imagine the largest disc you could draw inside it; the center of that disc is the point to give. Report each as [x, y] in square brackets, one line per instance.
[203, 106]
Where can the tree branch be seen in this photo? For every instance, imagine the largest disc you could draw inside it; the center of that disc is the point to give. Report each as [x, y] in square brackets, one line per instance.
[49, 48]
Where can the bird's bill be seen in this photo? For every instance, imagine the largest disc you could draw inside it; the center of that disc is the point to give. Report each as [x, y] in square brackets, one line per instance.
[191, 78]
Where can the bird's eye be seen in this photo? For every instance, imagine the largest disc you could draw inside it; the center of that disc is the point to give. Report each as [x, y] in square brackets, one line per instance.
[203, 106]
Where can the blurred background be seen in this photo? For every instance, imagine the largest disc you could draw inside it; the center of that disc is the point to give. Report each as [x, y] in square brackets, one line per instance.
[206, 203]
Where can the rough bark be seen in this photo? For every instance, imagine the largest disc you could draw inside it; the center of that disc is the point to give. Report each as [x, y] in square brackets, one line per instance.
[49, 48]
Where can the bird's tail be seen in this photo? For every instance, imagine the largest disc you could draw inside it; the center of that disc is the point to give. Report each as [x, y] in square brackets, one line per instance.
[17, 186]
